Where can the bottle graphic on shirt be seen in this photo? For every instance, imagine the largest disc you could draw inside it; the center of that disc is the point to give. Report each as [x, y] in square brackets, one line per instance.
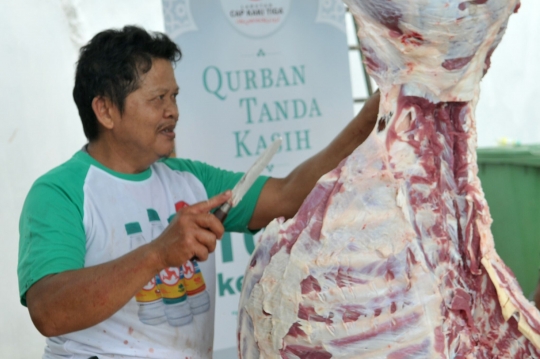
[136, 238]
[151, 307]
[171, 284]
[199, 299]
[155, 222]
[173, 291]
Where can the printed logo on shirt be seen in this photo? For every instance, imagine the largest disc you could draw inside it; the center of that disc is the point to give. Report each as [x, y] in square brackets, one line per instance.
[189, 270]
[170, 276]
[150, 285]
[164, 299]
[179, 205]
[199, 298]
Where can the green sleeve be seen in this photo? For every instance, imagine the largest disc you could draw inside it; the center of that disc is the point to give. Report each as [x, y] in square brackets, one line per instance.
[52, 236]
[216, 181]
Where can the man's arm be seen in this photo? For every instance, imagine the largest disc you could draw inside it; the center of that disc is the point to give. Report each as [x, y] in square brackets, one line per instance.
[75, 300]
[536, 296]
[284, 196]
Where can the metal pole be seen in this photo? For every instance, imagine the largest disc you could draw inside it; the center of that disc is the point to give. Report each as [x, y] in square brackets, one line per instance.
[362, 60]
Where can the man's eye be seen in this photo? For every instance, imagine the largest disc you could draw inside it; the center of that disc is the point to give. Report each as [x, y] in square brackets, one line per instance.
[161, 97]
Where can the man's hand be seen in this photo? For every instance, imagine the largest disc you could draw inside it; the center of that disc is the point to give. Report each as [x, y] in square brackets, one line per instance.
[78, 299]
[192, 233]
[536, 296]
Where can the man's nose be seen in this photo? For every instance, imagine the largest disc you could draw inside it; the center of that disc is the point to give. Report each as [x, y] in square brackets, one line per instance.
[171, 111]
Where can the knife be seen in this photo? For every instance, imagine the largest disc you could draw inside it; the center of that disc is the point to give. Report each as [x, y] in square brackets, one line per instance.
[247, 180]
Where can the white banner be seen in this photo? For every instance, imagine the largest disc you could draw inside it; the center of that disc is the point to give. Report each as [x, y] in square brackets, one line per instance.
[253, 70]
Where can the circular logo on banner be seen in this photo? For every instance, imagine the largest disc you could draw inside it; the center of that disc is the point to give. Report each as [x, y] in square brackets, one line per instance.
[256, 18]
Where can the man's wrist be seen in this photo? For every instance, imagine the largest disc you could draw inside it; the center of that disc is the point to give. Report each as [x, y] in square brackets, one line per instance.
[155, 259]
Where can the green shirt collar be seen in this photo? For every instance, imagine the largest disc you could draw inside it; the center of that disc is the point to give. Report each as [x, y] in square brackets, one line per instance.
[83, 155]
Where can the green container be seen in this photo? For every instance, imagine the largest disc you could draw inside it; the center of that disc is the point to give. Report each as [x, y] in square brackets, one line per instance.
[511, 182]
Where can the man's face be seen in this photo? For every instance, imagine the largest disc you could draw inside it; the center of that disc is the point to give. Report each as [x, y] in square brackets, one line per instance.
[146, 128]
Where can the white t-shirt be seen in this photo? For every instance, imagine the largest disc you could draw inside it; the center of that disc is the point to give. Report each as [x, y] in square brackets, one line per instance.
[82, 214]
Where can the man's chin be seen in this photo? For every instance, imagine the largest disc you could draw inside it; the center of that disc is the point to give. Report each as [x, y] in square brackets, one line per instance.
[167, 153]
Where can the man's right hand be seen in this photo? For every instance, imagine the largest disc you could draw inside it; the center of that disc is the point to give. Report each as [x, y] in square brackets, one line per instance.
[191, 234]
[77, 299]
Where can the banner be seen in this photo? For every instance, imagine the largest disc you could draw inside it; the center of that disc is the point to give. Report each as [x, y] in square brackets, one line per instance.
[252, 71]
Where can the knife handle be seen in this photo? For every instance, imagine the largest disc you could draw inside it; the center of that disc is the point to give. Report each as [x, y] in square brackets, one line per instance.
[222, 212]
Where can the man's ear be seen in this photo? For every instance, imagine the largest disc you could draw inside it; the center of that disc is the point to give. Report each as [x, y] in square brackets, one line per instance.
[104, 110]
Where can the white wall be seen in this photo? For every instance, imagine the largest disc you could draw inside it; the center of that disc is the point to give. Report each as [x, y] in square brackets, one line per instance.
[511, 88]
[39, 123]
[39, 126]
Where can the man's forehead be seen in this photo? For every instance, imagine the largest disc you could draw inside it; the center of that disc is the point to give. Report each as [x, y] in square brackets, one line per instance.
[158, 89]
[155, 84]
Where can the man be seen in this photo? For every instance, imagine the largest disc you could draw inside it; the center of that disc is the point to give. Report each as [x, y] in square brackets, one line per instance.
[100, 275]
[536, 296]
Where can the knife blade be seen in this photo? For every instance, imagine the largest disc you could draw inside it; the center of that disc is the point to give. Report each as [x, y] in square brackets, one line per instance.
[247, 180]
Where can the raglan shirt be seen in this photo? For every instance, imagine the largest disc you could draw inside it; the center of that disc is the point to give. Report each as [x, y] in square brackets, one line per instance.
[82, 214]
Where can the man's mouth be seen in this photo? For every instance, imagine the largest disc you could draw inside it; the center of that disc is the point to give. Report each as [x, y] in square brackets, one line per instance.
[168, 131]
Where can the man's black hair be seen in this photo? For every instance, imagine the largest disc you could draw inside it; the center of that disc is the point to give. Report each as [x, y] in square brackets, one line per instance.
[110, 65]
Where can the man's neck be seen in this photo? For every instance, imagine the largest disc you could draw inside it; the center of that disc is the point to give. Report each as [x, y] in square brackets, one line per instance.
[116, 159]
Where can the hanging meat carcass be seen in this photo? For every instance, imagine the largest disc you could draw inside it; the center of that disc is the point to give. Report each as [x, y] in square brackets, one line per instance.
[391, 255]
